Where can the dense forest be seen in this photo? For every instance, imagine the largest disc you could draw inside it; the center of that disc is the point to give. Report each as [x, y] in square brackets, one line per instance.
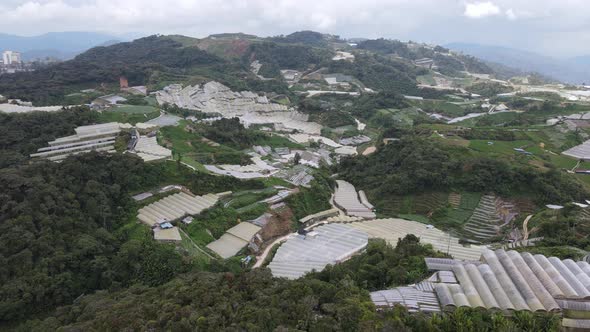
[448, 65]
[159, 60]
[307, 37]
[150, 61]
[415, 165]
[275, 56]
[23, 134]
[73, 256]
[136, 60]
[64, 225]
[68, 242]
[334, 300]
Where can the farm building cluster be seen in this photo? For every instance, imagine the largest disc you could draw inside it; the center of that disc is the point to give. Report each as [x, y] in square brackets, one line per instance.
[503, 281]
[216, 98]
[102, 138]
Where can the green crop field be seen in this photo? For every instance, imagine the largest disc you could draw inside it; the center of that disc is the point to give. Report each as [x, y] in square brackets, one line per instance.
[415, 217]
[124, 117]
[500, 147]
[457, 217]
[245, 198]
[426, 79]
[441, 106]
[135, 109]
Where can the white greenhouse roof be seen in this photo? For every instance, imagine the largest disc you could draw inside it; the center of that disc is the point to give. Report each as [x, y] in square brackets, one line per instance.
[170, 234]
[347, 199]
[234, 239]
[504, 281]
[581, 151]
[174, 207]
[509, 280]
[327, 244]
[393, 229]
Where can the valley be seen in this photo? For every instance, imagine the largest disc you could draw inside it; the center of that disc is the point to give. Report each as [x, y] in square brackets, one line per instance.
[305, 181]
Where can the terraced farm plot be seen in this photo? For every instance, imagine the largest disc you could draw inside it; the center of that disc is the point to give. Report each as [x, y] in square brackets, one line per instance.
[490, 119]
[245, 198]
[195, 151]
[415, 217]
[455, 200]
[442, 107]
[483, 223]
[393, 206]
[426, 79]
[429, 202]
[451, 141]
[402, 117]
[414, 205]
[456, 217]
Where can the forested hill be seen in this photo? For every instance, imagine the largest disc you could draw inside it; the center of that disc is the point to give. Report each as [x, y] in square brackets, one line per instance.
[156, 61]
[415, 165]
[138, 60]
[448, 63]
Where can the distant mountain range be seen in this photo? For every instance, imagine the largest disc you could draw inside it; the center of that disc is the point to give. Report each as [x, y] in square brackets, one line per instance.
[61, 45]
[573, 70]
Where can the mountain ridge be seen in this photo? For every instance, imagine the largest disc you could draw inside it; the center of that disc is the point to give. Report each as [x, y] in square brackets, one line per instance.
[61, 45]
[572, 70]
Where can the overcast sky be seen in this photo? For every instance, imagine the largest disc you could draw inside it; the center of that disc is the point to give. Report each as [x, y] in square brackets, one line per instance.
[552, 27]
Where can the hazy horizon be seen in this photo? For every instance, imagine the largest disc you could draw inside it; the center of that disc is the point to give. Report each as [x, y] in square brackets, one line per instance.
[558, 29]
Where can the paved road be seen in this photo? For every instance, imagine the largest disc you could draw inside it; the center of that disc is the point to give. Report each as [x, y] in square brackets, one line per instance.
[260, 259]
[525, 228]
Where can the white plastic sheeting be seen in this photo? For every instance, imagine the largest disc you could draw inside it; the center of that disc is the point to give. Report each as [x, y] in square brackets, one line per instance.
[174, 207]
[234, 239]
[99, 137]
[327, 244]
[348, 200]
[394, 229]
[519, 281]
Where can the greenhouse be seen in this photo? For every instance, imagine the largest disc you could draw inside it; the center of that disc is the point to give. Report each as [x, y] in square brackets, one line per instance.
[327, 244]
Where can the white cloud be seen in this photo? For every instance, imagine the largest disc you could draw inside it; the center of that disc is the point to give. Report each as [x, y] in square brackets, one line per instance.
[481, 9]
[510, 14]
[525, 23]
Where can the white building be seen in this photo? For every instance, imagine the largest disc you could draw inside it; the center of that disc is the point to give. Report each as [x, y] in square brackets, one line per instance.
[11, 57]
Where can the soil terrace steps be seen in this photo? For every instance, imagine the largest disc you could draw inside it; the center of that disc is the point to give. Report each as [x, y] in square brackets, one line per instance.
[484, 222]
[455, 200]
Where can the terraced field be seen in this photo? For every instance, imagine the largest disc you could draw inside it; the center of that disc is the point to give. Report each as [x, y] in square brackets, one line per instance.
[455, 200]
[429, 202]
[483, 223]
[422, 204]
[456, 217]
[440, 106]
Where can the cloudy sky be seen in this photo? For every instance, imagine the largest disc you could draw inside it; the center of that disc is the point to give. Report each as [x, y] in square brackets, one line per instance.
[552, 27]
